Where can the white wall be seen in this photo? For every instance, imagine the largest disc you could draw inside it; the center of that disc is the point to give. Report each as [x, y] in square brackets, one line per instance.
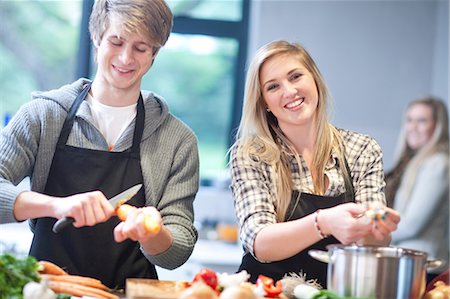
[376, 56]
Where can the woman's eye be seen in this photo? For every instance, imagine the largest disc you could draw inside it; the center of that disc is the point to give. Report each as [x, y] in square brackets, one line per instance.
[271, 87]
[295, 76]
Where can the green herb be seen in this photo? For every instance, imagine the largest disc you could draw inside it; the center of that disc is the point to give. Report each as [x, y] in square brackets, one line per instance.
[15, 274]
[325, 294]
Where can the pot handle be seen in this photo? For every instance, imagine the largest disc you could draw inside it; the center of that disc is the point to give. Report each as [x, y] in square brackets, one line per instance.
[434, 263]
[319, 255]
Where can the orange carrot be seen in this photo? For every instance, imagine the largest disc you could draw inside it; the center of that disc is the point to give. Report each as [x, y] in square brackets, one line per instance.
[48, 267]
[151, 225]
[79, 290]
[123, 211]
[86, 281]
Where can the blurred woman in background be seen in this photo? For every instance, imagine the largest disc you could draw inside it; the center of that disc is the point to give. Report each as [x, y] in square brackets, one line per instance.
[418, 186]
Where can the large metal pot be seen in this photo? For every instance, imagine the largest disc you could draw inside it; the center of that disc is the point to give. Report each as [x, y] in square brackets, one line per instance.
[376, 272]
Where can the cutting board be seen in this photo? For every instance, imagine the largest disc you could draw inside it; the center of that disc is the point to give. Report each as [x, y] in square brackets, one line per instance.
[138, 288]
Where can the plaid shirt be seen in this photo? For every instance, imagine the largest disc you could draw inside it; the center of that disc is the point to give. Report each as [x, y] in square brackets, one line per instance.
[253, 188]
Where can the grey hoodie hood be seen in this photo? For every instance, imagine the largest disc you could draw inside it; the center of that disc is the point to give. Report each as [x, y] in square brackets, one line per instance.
[156, 109]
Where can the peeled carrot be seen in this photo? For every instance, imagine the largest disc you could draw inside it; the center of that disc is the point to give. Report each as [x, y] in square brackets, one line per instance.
[51, 268]
[149, 223]
[79, 290]
[82, 280]
[123, 211]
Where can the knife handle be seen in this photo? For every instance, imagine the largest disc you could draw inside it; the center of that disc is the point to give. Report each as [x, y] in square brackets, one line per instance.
[62, 223]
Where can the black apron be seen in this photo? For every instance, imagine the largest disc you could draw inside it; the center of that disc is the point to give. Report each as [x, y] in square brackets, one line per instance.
[299, 207]
[92, 251]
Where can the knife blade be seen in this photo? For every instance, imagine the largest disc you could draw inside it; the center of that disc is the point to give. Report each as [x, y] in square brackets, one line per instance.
[114, 201]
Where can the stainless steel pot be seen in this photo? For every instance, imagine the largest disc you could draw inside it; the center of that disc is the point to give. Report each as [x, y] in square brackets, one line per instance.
[376, 272]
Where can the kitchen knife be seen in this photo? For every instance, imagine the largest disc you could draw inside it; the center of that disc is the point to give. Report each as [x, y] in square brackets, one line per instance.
[114, 201]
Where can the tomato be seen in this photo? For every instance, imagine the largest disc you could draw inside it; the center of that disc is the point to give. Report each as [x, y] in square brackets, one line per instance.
[208, 276]
[271, 290]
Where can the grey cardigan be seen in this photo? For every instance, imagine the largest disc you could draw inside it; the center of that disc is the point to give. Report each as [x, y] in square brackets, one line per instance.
[424, 223]
[169, 159]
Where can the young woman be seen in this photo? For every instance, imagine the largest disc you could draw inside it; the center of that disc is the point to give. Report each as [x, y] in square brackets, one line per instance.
[89, 140]
[298, 181]
[418, 185]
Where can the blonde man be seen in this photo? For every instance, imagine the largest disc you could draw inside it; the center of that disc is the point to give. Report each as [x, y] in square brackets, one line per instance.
[87, 141]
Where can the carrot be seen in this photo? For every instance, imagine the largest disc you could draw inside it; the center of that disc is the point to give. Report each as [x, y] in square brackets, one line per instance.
[83, 280]
[123, 211]
[79, 290]
[47, 267]
[151, 225]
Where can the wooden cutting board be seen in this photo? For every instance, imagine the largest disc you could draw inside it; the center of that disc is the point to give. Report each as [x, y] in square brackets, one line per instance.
[137, 288]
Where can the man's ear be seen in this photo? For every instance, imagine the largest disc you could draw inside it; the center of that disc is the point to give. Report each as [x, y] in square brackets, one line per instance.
[95, 41]
[155, 52]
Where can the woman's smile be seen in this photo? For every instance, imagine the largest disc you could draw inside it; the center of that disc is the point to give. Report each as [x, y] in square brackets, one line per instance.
[295, 105]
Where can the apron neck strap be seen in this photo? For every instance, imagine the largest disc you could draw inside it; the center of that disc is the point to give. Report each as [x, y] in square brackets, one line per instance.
[68, 123]
[70, 119]
[139, 125]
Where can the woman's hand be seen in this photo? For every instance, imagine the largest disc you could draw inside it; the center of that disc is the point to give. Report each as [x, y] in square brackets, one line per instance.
[342, 222]
[353, 223]
[383, 225]
[87, 209]
[141, 224]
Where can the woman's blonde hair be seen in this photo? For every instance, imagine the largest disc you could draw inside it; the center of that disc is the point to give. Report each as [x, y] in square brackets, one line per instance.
[259, 134]
[439, 141]
[153, 17]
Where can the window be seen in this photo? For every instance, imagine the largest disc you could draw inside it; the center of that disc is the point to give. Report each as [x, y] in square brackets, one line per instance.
[38, 46]
[200, 71]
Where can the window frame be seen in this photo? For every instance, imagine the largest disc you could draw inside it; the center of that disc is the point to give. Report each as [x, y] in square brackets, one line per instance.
[237, 30]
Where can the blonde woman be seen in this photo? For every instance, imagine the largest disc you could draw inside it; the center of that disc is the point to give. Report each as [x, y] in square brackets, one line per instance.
[419, 183]
[299, 182]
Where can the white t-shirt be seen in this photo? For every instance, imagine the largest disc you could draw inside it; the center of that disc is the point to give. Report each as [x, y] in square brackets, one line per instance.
[111, 121]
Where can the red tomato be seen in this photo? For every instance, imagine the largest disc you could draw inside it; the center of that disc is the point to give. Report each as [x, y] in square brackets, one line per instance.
[208, 276]
[271, 290]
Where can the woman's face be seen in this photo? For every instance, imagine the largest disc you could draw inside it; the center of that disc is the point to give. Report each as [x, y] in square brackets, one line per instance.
[289, 91]
[419, 125]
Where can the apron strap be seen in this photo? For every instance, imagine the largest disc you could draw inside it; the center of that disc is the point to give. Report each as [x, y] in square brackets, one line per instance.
[139, 126]
[68, 123]
[138, 129]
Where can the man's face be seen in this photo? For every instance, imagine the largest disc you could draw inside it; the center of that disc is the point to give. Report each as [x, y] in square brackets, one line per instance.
[123, 58]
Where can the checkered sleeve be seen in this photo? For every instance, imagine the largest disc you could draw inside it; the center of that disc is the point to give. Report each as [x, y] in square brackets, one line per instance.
[253, 196]
[365, 160]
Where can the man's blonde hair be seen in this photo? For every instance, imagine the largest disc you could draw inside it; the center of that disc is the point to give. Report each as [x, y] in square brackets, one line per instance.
[152, 17]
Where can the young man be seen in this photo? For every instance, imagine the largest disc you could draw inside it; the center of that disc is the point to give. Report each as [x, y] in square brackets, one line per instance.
[88, 141]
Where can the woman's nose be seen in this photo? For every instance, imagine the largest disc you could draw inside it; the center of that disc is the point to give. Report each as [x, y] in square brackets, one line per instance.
[289, 90]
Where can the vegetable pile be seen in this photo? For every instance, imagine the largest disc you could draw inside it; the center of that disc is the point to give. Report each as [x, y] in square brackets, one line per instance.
[31, 279]
[15, 274]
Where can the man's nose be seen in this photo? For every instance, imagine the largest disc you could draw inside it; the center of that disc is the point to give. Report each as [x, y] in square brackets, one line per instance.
[126, 56]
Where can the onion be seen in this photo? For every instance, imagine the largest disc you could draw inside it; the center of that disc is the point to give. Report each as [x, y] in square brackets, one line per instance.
[35, 290]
